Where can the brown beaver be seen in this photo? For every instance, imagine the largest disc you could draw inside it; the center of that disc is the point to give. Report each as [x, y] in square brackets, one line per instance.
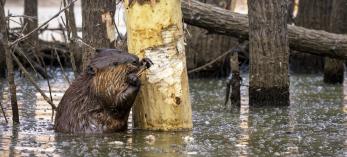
[100, 99]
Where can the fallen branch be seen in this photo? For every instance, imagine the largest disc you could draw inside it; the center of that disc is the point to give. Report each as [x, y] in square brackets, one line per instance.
[3, 112]
[221, 21]
[211, 62]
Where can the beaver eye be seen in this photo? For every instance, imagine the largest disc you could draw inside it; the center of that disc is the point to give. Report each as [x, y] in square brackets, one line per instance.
[115, 64]
[135, 62]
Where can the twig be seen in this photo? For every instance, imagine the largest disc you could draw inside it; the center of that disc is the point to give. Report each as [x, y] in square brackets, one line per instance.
[71, 33]
[61, 66]
[211, 62]
[3, 112]
[23, 16]
[28, 76]
[25, 56]
[10, 72]
[42, 25]
[49, 85]
[81, 41]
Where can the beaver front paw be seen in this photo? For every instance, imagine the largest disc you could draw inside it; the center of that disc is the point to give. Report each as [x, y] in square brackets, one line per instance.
[146, 62]
[133, 80]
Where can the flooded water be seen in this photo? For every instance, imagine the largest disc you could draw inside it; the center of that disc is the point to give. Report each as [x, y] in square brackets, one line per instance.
[313, 125]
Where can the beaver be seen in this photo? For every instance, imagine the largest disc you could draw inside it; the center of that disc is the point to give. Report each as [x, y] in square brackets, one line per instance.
[100, 99]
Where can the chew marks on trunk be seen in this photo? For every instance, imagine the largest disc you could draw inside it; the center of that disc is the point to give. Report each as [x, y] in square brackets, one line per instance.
[155, 31]
[98, 26]
[269, 53]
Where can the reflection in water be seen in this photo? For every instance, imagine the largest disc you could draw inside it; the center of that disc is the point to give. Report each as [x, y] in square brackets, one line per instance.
[314, 125]
[242, 142]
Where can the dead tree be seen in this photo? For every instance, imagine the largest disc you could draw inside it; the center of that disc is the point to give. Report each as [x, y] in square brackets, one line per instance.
[221, 21]
[269, 53]
[98, 27]
[312, 14]
[75, 53]
[30, 23]
[9, 62]
[334, 68]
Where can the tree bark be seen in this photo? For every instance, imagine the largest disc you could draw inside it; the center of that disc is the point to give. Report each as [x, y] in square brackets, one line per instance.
[269, 53]
[334, 68]
[202, 46]
[291, 7]
[163, 102]
[312, 14]
[222, 21]
[98, 27]
[75, 52]
[30, 10]
[9, 63]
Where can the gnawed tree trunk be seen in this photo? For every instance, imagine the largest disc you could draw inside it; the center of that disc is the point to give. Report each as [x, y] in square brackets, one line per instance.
[98, 27]
[221, 21]
[155, 31]
[9, 63]
[269, 53]
[312, 14]
[334, 68]
[30, 23]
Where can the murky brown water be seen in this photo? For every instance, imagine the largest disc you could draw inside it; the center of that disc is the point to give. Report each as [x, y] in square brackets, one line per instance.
[314, 125]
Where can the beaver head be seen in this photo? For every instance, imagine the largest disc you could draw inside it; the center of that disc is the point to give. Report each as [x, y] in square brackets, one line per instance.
[112, 73]
[100, 99]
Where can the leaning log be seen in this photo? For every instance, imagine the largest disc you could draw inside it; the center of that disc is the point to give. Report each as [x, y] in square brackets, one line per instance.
[221, 21]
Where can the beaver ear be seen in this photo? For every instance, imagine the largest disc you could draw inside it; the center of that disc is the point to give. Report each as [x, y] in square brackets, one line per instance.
[91, 70]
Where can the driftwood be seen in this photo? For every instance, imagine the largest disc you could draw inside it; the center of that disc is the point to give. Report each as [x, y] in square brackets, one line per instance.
[221, 21]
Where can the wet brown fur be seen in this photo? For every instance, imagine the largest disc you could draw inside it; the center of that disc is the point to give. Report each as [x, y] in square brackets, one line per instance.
[100, 102]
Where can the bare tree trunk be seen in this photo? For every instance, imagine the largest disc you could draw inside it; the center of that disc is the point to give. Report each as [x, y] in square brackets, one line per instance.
[97, 26]
[163, 102]
[9, 63]
[334, 68]
[269, 53]
[30, 10]
[313, 14]
[75, 52]
[221, 21]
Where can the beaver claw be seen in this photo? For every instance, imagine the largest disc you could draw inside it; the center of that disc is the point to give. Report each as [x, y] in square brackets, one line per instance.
[133, 80]
[146, 62]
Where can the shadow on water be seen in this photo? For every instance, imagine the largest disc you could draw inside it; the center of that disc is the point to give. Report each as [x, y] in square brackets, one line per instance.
[313, 125]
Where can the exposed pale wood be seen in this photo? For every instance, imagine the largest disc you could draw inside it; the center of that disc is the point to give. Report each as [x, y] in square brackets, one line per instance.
[98, 26]
[155, 31]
